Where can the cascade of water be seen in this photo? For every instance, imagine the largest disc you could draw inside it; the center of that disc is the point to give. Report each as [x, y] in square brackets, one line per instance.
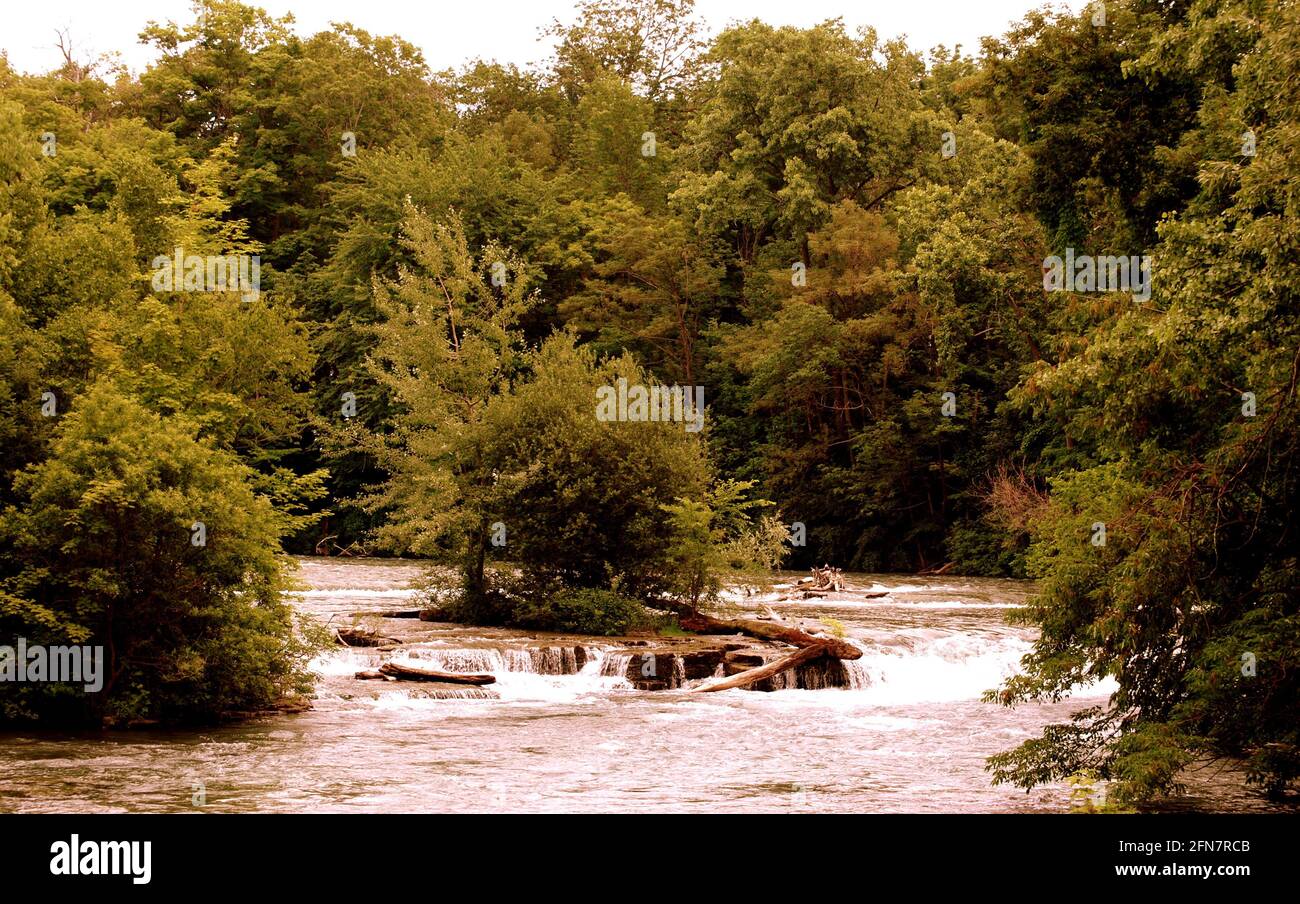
[566, 660]
[614, 665]
[679, 673]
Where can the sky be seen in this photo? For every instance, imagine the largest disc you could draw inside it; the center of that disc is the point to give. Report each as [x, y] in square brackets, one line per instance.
[452, 33]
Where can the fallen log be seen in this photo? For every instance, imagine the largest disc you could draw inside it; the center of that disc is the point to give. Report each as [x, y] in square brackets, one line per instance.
[775, 667]
[821, 594]
[935, 572]
[362, 637]
[828, 578]
[409, 673]
[693, 620]
[372, 675]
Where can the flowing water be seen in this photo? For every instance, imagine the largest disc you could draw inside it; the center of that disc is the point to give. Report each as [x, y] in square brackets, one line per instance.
[562, 730]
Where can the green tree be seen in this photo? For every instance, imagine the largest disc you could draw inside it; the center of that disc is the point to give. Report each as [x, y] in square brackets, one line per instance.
[448, 345]
[653, 44]
[579, 496]
[721, 539]
[1187, 411]
[100, 549]
[797, 120]
[653, 289]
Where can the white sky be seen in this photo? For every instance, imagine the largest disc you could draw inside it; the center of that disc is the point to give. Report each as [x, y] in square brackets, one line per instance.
[451, 33]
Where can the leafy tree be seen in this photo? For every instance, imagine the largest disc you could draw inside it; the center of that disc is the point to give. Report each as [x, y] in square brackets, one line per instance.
[1193, 480]
[654, 287]
[1053, 81]
[654, 44]
[23, 429]
[99, 550]
[580, 497]
[797, 120]
[615, 148]
[448, 345]
[719, 539]
[204, 85]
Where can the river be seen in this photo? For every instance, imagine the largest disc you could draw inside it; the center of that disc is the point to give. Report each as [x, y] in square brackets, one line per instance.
[912, 738]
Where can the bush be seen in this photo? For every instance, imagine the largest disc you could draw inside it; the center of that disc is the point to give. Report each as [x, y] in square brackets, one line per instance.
[99, 551]
[581, 611]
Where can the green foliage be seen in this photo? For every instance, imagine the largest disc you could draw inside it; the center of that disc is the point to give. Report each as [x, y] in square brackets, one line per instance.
[652, 44]
[1196, 487]
[98, 551]
[719, 540]
[582, 611]
[581, 497]
[448, 347]
[654, 287]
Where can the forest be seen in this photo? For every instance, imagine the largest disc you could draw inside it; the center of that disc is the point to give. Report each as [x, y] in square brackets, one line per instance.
[1027, 310]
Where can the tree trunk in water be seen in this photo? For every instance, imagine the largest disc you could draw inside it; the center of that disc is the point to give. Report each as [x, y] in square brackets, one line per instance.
[475, 564]
[693, 620]
[749, 676]
[407, 673]
[361, 637]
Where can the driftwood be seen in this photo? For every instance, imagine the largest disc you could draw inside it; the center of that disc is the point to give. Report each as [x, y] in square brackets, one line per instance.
[327, 547]
[409, 673]
[827, 578]
[373, 675]
[749, 676]
[861, 594]
[693, 620]
[362, 637]
[942, 569]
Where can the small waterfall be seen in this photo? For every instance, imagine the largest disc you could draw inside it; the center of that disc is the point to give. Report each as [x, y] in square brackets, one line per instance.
[558, 660]
[461, 660]
[615, 665]
[932, 664]
[453, 692]
[857, 674]
[824, 673]
[679, 673]
[567, 660]
[654, 670]
[820, 674]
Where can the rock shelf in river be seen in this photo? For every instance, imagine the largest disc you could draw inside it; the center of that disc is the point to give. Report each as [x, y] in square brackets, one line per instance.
[654, 664]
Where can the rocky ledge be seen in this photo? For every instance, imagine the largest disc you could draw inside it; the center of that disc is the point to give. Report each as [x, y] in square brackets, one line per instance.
[657, 668]
[647, 663]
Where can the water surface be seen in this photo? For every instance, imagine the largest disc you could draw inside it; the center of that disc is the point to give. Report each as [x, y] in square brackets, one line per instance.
[913, 738]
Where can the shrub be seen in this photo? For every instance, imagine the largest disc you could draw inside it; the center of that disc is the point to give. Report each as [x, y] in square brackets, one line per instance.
[99, 551]
[581, 611]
